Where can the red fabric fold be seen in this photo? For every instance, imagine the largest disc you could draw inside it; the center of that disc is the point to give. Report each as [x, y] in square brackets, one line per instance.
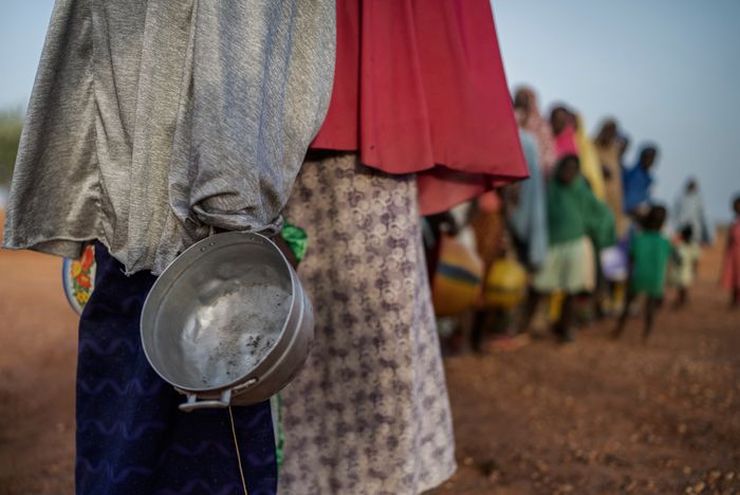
[420, 88]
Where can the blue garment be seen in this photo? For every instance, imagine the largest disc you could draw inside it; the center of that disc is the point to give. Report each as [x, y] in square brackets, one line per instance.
[527, 216]
[636, 183]
[131, 437]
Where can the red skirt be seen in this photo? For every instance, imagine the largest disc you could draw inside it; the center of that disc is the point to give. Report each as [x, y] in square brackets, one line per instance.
[420, 88]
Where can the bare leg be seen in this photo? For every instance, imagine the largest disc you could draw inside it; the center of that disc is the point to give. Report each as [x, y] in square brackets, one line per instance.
[681, 298]
[565, 326]
[651, 304]
[620, 290]
[476, 334]
[530, 308]
[625, 315]
[600, 296]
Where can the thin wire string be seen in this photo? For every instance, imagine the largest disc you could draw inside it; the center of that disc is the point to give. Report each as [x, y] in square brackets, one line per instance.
[238, 455]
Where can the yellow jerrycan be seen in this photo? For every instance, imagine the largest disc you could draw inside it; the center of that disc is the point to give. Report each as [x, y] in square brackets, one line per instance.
[458, 279]
[506, 284]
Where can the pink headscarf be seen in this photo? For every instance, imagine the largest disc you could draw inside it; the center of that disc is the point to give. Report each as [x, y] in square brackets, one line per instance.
[565, 143]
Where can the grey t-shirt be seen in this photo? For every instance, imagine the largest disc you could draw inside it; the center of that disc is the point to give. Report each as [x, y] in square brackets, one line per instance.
[153, 122]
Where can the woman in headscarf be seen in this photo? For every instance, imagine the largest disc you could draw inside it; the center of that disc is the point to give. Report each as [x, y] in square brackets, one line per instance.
[531, 120]
[525, 209]
[638, 183]
[562, 122]
[152, 124]
[692, 230]
[590, 166]
[609, 149]
[418, 123]
[731, 262]
[689, 211]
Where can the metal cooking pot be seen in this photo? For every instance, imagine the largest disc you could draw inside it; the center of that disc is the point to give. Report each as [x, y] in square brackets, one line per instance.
[228, 322]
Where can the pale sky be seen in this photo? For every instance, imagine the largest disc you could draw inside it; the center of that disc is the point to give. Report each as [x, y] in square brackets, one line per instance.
[668, 70]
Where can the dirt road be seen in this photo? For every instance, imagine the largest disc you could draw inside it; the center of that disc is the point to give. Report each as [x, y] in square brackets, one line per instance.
[594, 417]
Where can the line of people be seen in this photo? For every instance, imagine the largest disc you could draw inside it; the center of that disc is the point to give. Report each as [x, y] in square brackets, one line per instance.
[585, 227]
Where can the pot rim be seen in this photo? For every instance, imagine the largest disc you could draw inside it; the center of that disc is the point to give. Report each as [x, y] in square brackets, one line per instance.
[191, 255]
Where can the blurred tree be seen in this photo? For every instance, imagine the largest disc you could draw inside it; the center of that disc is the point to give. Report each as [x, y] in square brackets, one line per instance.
[11, 123]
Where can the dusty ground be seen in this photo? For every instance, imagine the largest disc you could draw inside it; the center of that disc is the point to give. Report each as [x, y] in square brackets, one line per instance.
[594, 417]
[38, 342]
[605, 417]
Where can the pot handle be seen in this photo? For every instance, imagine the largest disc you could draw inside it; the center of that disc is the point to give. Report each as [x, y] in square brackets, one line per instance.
[194, 404]
[224, 401]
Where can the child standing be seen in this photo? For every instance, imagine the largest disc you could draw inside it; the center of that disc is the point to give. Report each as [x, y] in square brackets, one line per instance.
[573, 213]
[650, 252]
[683, 265]
[731, 271]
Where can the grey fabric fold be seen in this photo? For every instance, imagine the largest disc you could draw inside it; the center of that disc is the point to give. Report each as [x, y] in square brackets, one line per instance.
[154, 122]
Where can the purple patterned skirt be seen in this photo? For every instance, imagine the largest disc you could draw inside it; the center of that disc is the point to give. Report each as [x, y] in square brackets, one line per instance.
[369, 413]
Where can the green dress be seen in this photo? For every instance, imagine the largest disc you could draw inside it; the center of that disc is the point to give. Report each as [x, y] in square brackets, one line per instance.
[650, 252]
[573, 212]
